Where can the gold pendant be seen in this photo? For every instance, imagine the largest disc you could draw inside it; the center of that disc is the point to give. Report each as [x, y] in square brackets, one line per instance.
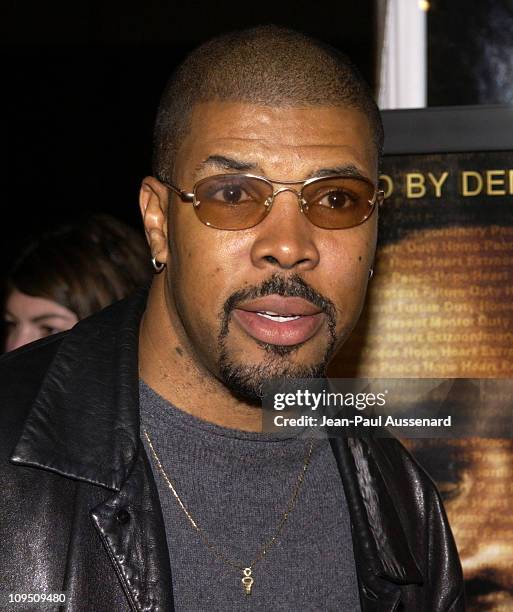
[247, 580]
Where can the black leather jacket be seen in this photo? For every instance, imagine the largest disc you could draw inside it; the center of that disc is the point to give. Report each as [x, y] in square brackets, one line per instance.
[79, 507]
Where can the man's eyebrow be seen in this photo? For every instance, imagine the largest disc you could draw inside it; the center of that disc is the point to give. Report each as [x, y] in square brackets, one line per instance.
[346, 170]
[39, 318]
[50, 315]
[225, 163]
[229, 163]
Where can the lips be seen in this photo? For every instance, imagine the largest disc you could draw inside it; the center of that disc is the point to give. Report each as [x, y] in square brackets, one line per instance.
[279, 320]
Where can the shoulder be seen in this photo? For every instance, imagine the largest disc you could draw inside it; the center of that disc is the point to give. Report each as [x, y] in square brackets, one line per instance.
[21, 373]
[93, 341]
[29, 352]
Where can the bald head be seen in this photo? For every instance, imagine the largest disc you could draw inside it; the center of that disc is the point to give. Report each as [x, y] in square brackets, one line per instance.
[268, 66]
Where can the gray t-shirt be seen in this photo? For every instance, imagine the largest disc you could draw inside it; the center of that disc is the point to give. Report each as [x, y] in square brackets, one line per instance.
[236, 485]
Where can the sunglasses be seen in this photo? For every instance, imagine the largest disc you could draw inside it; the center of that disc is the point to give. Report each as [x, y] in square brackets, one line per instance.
[241, 201]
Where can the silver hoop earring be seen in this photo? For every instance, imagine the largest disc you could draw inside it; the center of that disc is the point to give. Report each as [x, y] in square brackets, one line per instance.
[371, 273]
[157, 265]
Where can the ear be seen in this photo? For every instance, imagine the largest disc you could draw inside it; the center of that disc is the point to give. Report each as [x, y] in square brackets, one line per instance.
[154, 204]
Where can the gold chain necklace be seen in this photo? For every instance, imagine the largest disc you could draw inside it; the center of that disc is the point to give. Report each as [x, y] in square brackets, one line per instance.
[247, 572]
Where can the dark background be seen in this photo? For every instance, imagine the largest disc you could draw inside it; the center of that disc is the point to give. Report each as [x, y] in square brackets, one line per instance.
[81, 83]
[470, 52]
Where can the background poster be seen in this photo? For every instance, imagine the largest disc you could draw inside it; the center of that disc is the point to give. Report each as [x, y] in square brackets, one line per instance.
[441, 305]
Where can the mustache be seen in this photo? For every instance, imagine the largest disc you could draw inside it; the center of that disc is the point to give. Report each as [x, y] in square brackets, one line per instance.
[292, 286]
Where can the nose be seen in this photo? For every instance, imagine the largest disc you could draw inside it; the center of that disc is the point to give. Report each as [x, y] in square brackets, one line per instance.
[285, 238]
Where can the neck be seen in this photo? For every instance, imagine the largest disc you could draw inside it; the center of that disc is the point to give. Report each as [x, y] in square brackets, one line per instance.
[167, 363]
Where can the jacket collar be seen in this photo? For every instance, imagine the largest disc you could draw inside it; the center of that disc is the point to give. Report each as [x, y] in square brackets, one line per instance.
[377, 531]
[84, 424]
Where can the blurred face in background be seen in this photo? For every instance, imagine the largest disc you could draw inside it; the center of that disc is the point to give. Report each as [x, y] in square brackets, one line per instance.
[28, 318]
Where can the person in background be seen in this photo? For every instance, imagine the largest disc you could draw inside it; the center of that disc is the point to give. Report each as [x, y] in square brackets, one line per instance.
[69, 273]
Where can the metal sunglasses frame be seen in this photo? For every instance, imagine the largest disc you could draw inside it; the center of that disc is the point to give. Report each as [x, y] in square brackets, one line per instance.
[190, 197]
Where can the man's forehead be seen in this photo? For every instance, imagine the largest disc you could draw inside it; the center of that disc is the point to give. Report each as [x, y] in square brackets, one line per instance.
[313, 125]
[259, 135]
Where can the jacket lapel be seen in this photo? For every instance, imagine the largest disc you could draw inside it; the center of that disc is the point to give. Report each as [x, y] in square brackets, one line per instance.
[382, 551]
[84, 424]
[131, 525]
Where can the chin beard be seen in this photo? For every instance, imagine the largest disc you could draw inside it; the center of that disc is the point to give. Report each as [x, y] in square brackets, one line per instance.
[247, 381]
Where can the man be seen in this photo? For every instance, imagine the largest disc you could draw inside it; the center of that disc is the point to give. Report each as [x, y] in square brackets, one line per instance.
[160, 491]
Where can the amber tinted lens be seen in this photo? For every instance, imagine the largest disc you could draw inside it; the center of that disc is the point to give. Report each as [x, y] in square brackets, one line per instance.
[232, 201]
[337, 203]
